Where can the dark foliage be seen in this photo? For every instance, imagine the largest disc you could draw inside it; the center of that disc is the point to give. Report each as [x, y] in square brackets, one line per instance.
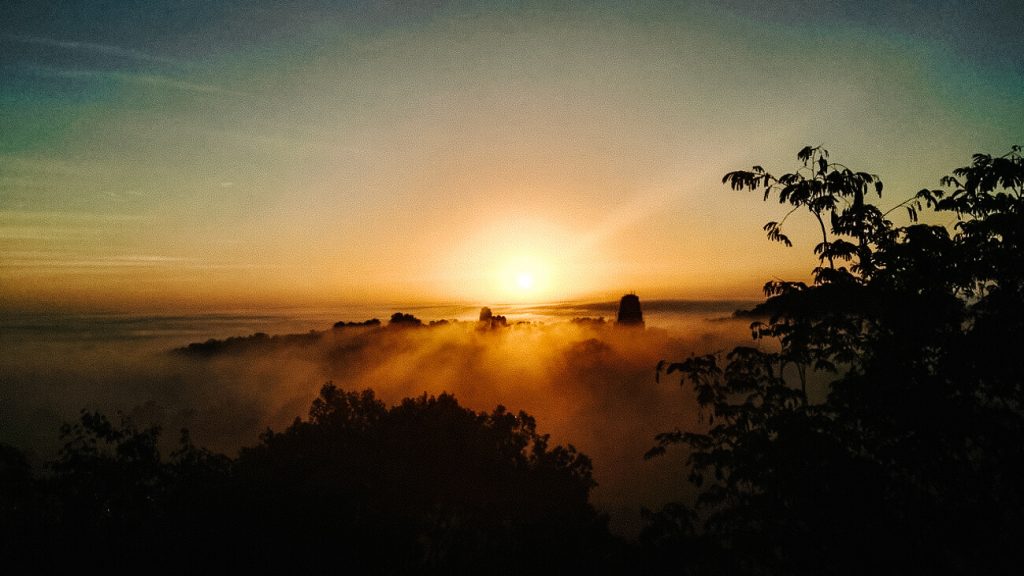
[423, 487]
[490, 321]
[261, 342]
[914, 462]
[401, 319]
[258, 342]
[371, 323]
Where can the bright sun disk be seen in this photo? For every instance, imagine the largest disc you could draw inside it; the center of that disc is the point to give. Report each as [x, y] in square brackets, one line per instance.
[525, 280]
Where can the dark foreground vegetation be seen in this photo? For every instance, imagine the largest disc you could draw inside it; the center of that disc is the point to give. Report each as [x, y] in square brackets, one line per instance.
[909, 458]
[422, 487]
[914, 461]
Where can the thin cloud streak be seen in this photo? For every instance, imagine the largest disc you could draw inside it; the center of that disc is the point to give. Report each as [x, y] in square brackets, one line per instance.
[154, 80]
[43, 233]
[57, 261]
[48, 217]
[104, 49]
[42, 165]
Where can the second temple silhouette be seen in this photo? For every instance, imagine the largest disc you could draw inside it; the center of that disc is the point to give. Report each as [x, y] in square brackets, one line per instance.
[629, 312]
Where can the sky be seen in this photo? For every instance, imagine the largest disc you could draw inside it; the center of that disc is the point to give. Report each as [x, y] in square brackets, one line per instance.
[196, 155]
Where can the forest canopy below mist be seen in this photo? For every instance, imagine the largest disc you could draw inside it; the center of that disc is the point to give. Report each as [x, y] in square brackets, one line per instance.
[873, 425]
[586, 381]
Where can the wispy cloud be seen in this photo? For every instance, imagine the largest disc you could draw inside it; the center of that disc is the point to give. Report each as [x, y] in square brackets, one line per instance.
[37, 165]
[153, 80]
[49, 217]
[143, 258]
[24, 183]
[58, 226]
[166, 82]
[271, 137]
[40, 232]
[103, 49]
[56, 260]
[43, 260]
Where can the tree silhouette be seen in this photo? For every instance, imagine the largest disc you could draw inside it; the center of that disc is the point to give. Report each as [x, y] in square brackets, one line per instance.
[913, 461]
[425, 486]
[401, 319]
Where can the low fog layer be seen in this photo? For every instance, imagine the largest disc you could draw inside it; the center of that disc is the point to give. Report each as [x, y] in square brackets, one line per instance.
[589, 383]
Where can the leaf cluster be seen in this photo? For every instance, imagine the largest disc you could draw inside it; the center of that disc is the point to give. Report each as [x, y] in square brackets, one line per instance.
[910, 332]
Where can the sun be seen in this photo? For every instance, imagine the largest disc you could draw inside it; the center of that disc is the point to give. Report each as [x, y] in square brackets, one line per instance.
[525, 280]
[518, 261]
[525, 276]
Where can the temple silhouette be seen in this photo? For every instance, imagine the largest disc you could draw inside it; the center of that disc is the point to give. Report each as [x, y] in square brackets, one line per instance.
[630, 313]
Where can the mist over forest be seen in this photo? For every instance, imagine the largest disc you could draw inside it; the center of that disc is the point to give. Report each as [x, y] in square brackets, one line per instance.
[588, 382]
